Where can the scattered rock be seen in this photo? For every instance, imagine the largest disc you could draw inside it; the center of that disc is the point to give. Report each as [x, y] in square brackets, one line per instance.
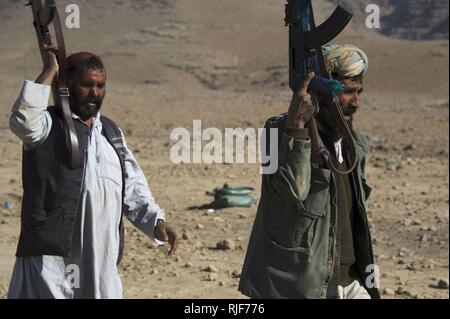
[198, 245]
[187, 265]
[400, 291]
[417, 222]
[218, 219]
[211, 277]
[199, 226]
[411, 266]
[407, 222]
[408, 293]
[400, 282]
[8, 205]
[388, 292]
[442, 284]
[127, 268]
[236, 274]
[154, 271]
[226, 244]
[408, 147]
[186, 236]
[211, 268]
[221, 283]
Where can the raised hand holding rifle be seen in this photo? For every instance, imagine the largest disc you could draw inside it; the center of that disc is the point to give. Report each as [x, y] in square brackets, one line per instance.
[55, 66]
[50, 66]
[306, 57]
[303, 107]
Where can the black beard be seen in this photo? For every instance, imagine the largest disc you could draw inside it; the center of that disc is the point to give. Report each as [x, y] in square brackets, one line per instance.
[84, 110]
[331, 124]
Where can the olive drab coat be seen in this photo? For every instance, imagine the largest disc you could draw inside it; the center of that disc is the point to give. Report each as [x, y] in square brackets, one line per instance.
[292, 246]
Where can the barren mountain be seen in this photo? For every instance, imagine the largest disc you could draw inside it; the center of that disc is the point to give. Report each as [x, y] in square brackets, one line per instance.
[403, 19]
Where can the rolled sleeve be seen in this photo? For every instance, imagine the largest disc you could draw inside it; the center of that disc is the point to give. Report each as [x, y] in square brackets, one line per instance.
[29, 119]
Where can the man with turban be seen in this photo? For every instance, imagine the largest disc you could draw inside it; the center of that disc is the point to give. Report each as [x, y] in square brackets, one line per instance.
[311, 237]
[72, 232]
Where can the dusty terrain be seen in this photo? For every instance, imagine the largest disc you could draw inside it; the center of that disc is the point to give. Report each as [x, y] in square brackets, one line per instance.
[225, 63]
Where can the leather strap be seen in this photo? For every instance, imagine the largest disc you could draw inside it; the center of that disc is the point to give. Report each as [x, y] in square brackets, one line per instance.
[63, 93]
[318, 150]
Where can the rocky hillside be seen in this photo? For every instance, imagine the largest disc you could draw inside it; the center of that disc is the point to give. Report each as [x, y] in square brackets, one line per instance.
[402, 19]
[405, 19]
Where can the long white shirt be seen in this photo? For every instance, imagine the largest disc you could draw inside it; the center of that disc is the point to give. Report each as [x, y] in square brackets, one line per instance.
[90, 271]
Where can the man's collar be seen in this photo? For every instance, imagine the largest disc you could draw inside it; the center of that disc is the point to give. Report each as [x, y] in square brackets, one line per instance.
[96, 119]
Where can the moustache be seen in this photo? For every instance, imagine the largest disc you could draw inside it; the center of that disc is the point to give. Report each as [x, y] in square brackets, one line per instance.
[97, 100]
[348, 111]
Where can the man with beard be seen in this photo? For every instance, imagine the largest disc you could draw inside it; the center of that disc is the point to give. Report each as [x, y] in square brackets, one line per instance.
[72, 231]
[311, 238]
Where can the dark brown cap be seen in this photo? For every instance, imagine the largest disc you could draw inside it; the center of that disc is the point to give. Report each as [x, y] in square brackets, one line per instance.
[76, 59]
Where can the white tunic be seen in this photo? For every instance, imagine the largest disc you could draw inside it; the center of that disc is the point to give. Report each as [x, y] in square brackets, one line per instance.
[90, 271]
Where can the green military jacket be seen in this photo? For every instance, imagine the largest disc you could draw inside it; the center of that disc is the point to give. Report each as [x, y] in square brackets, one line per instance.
[291, 251]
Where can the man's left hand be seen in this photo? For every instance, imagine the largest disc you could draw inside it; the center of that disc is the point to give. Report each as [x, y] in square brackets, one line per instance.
[164, 232]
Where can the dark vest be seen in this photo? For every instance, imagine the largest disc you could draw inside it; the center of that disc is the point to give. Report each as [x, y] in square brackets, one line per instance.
[52, 190]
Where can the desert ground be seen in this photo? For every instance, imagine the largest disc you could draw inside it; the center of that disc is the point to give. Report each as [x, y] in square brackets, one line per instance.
[225, 63]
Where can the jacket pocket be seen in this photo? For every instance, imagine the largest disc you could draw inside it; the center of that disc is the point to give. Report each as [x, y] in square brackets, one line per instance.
[38, 218]
[285, 259]
[313, 208]
[44, 232]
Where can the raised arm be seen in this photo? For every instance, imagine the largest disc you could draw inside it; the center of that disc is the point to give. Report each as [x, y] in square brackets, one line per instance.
[29, 119]
[291, 182]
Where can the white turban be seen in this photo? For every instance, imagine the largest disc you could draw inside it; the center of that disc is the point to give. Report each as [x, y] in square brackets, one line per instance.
[345, 60]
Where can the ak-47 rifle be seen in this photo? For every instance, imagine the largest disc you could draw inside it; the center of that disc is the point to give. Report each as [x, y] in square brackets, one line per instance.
[43, 16]
[305, 55]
